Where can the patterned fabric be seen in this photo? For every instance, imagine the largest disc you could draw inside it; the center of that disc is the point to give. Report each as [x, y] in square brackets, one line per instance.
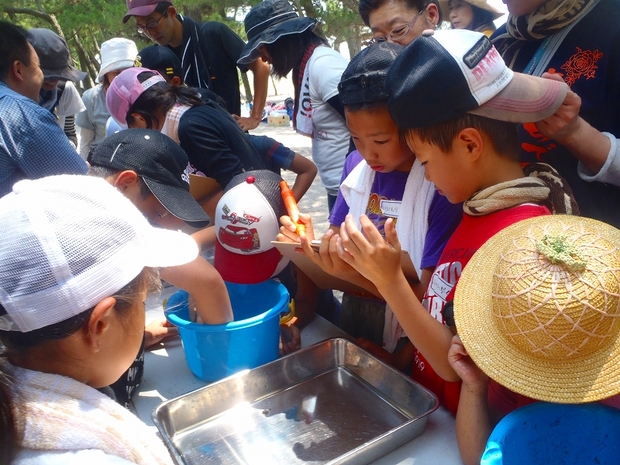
[546, 20]
[542, 185]
[61, 414]
[32, 145]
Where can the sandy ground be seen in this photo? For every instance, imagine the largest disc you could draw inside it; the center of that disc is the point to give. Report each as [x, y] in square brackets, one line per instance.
[314, 202]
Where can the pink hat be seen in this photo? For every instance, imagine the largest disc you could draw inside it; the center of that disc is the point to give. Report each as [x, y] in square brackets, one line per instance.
[246, 221]
[141, 8]
[125, 89]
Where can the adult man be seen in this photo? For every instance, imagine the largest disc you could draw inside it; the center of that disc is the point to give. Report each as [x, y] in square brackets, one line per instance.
[208, 54]
[32, 145]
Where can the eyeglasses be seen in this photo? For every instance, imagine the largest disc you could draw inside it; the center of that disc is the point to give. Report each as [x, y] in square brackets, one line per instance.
[151, 25]
[398, 32]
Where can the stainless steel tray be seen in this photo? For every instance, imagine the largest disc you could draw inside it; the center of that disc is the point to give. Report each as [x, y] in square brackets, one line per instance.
[331, 403]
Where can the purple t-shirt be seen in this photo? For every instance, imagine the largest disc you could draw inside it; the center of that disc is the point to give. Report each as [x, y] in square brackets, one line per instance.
[443, 217]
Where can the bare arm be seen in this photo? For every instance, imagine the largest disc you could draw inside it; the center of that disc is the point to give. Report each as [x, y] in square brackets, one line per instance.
[378, 260]
[260, 72]
[206, 287]
[306, 171]
[473, 418]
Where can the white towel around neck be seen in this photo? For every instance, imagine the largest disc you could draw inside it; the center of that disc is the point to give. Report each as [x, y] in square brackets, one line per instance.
[411, 227]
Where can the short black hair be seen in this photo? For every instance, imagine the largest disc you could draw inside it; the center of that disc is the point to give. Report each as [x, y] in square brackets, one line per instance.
[503, 135]
[368, 6]
[14, 47]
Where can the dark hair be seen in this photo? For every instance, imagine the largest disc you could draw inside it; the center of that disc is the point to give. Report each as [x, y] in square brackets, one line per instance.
[14, 47]
[162, 8]
[160, 97]
[371, 107]
[483, 19]
[10, 433]
[503, 135]
[368, 6]
[99, 171]
[287, 52]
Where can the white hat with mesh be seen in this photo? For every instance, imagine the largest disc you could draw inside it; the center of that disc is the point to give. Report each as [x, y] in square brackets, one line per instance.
[67, 242]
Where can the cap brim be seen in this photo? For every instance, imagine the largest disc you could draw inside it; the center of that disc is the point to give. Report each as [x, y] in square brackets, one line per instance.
[526, 99]
[270, 35]
[166, 248]
[116, 66]
[68, 74]
[139, 11]
[575, 379]
[247, 269]
[179, 203]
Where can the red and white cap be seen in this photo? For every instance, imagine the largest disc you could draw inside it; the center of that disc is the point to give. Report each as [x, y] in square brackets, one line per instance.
[246, 221]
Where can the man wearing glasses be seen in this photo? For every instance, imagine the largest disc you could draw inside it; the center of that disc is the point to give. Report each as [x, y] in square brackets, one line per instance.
[399, 21]
[208, 53]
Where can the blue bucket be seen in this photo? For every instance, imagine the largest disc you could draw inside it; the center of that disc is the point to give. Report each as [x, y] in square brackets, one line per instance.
[216, 351]
[544, 433]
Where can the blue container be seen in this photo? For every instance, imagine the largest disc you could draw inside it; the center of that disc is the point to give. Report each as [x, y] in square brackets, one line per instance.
[216, 351]
[544, 433]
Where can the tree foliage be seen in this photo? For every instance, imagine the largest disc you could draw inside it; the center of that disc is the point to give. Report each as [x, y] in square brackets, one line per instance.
[86, 24]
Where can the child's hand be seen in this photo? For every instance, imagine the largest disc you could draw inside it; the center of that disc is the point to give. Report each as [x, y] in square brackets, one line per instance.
[327, 256]
[290, 339]
[375, 258]
[288, 230]
[158, 330]
[473, 377]
[378, 352]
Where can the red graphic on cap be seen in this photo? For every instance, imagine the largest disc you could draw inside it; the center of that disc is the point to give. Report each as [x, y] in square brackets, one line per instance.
[240, 238]
[582, 63]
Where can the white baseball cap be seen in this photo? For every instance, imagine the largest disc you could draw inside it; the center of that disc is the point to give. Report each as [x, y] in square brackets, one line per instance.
[67, 242]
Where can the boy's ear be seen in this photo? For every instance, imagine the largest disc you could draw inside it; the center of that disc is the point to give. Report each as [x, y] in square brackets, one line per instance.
[126, 180]
[470, 140]
[99, 322]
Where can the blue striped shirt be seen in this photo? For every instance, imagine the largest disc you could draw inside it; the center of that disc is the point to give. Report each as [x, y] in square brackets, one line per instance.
[32, 145]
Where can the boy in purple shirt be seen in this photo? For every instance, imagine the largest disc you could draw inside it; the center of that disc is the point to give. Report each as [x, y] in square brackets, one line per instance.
[382, 180]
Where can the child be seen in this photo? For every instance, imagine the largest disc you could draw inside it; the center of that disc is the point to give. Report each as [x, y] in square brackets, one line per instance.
[77, 260]
[150, 169]
[383, 180]
[214, 142]
[467, 141]
[279, 36]
[537, 311]
[275, 155]
[475, 15]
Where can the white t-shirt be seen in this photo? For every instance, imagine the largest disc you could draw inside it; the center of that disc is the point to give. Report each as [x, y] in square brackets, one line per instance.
[331, 136]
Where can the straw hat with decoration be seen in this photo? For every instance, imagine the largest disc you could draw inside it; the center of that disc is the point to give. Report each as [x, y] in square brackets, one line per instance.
[538, 309]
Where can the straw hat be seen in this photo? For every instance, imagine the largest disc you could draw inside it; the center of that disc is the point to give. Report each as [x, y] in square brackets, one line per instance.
[482, 4]
[538, 309]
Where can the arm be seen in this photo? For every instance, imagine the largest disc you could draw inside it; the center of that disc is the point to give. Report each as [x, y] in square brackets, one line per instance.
[590, 146]
[205, 238]
[378, 260]
[45, 150]
[306, 172]
[69, 128]
[610, 171]
[260, 71]
[86, 138]
[473, 418]
[205, 286]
